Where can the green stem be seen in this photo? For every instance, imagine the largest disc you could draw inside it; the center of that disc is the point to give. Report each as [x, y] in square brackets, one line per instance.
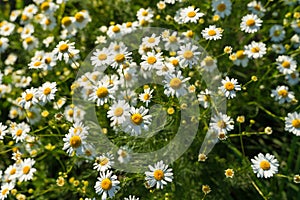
[241, 141]
[258, 190]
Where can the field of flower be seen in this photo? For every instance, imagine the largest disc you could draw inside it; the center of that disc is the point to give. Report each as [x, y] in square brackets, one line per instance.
[163, 99]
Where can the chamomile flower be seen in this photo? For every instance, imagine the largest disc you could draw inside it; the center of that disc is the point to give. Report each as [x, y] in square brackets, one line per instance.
[120, 56]
[67, 23]
[222, 7]
[115, 31]
[29, 98]
[48, 22]
[104, 162]
[277, 33]
[74, 142]
[14, 14]
[172, 41]
[229, 173]
[191, 14]
[229, 87]
[209, 63]
[30, 43]
[118, 112]
[124, 154]
[3, 44]
[286, 64]
[151, 42]
[20, 131]
[282, 94]
[138, 121]
[152, 61]
[7, 29]
[241, 58]
[251, 23]
[129, 27]
[36, 64]
[131, 197]
[175, 85]
[212, 33]
[26, 170]
[101, 57]
[204, 98]
[5, 190]
[292, 123]
[145, 14]
[102, 92]
[222, 123]
[255, 50]
[293, 78]
[81, 19]
[3, 131]
[159, 175]
[11, 172]
[256, 8]
[47, 92]
[166, 68]
[107, 185]
[278, 48]
[188, 55]
[64, 50]
[146, 96]
[264, 166]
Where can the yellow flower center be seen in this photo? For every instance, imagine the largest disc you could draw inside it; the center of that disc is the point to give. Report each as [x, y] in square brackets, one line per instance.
[102, 92]
[129, 24]
[229, 86]
[1, 43]
[151, 60]
[144, 13]
[48, 22]
[151, 40]
[66, 21]
[191, 14]
[229, 173]
[106, 184]
[120, 58]
[209, 61]
[37, 63]
[240, 54]
[255, 50]
[283, 93]
[26, 169]
[29, 97]
[75, 141]
[158, 174]
[250, 22]
[221, 124]
[24, 17]
[286, 64]
[116, 29]
[188, 54]
[172, 38]
[63, 48]
[277, 33]
[71, 113]
[221, 7]
[257, 7]
[118, 111]
[104, 161]
[79, 17]
[175, 83]
[127, 76]
[30, 115]
[47, 91]
[206, 98]
[12, 171]
[296, 123]
[102, 56]
[45, 6]
[265, 165]
[48, 60]
[29, 40]
[175, 62]
[211, 32]
[137, 118]
[146, 97]
[4, 192]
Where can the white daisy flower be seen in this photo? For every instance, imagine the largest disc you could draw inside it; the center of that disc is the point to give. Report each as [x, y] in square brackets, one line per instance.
[286, 64]
[107, 185]
[37, 64]
[278, 48]
[191, 14]
[146, 96]
[14, 14]
[188, 55]
[101, 57]
[120, 57]
[229, 87]
[204, 98]
[102, 92]
[209, 64]
[131, 197]
[151, 42]
[48, 22]
[29, 98]
[33, 115]
[5, 190]
[3, 44]
[81, 19]
[296, 26]
[222, 7]
[118, 112]
[175, 85]
[264, 166]
[11, 172]
[159, 175]
[7, 28]
[48, 7]
[139, 120]
[27, 31]
[145, 14]
[124, 154]
[79, 128]
[241, 58]
[3, 131]
[64, 50]
[30, 43]
[292, 123]
[256, 8]
[74, 142]
[104, 162]
[152, 61]
[282, 94]
[277, 33]
[26, 170]
[255, 50]
[67, 24]
[293, 78]
[222, 123]
[129, 27]
[20, 131]
[251, 23]
[115, 31]
[212, 33]
[166, 68]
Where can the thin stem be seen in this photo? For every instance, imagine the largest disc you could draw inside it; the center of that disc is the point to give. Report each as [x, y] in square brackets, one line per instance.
[258, 190]
[241, 141]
